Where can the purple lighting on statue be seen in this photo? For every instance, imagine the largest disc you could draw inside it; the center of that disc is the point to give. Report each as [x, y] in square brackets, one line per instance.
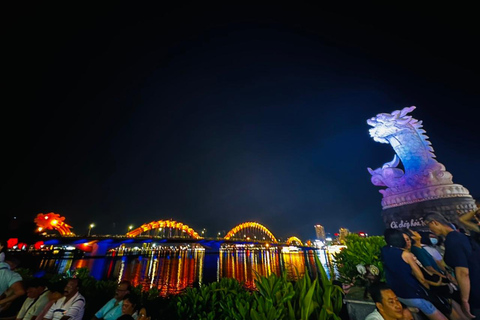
[424, 178]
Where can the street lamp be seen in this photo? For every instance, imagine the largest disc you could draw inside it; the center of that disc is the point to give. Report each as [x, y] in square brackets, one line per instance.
[90, 229]
[130, 227]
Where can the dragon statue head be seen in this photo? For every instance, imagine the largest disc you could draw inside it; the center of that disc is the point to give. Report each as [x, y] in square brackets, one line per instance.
[388, 124]
[52, 221]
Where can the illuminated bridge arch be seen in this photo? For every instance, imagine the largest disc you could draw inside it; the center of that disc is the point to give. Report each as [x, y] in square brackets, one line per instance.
[249, 230]
[164, 229]
[294, 241]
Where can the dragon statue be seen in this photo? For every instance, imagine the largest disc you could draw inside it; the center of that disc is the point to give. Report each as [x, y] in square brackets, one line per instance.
[52, 221]
[422, 177]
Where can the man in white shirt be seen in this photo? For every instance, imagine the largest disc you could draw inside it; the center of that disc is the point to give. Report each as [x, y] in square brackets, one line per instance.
[388, 306]
[37, 298]
[71, 306]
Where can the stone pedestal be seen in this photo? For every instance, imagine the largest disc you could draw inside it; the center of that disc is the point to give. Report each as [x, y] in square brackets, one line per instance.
[411, 215]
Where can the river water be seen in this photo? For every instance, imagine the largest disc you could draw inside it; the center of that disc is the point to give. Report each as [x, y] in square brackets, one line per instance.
[171, 269]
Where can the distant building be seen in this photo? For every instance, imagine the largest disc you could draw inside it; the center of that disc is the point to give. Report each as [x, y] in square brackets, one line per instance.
[320, 232]
[343, 232]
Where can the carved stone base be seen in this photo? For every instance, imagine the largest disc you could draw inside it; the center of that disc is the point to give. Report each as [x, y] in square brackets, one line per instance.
[411, 215]
[391, 199]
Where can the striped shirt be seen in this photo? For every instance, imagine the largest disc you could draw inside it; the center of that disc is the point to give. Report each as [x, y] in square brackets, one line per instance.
[73, 308]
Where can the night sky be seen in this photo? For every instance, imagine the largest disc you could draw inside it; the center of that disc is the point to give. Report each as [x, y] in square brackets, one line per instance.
[217, 114]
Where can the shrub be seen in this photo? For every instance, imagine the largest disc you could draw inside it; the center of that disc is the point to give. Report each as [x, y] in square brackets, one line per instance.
[360, 251]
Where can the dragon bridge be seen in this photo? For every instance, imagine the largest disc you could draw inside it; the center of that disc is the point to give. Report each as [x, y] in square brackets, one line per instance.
[164, 229]
[294, 241]
[250, 231]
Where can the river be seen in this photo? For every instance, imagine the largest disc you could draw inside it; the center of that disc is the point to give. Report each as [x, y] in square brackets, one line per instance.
[172, 268]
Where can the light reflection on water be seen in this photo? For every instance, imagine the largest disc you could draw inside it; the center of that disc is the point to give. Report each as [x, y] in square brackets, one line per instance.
[168, 271]
[172, 270]
[245, 264]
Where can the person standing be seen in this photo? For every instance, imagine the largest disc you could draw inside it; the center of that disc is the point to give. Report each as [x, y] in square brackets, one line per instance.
[470, 220]
[463, 256]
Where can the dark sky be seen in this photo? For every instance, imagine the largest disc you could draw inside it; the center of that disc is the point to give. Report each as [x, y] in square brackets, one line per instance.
[216, 114]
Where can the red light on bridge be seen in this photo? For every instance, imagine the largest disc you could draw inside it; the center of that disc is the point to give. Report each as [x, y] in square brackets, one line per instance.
[38, 245]
[22, 246]
[12, 242]
[85, 247]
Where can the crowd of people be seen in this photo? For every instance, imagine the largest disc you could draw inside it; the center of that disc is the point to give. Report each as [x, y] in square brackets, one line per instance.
[36, 299]
[434, 273]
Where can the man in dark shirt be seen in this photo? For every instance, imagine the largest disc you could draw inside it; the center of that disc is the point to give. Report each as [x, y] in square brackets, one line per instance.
[462, 255]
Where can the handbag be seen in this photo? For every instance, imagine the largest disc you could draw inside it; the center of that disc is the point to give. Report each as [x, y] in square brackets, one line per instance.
[442, 303]
[439, 296]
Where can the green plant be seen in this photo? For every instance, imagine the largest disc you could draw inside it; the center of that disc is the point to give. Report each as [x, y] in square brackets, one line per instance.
[317, 299]
[360, 251]
[211, 301]
[275, 298]
[271, 299]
